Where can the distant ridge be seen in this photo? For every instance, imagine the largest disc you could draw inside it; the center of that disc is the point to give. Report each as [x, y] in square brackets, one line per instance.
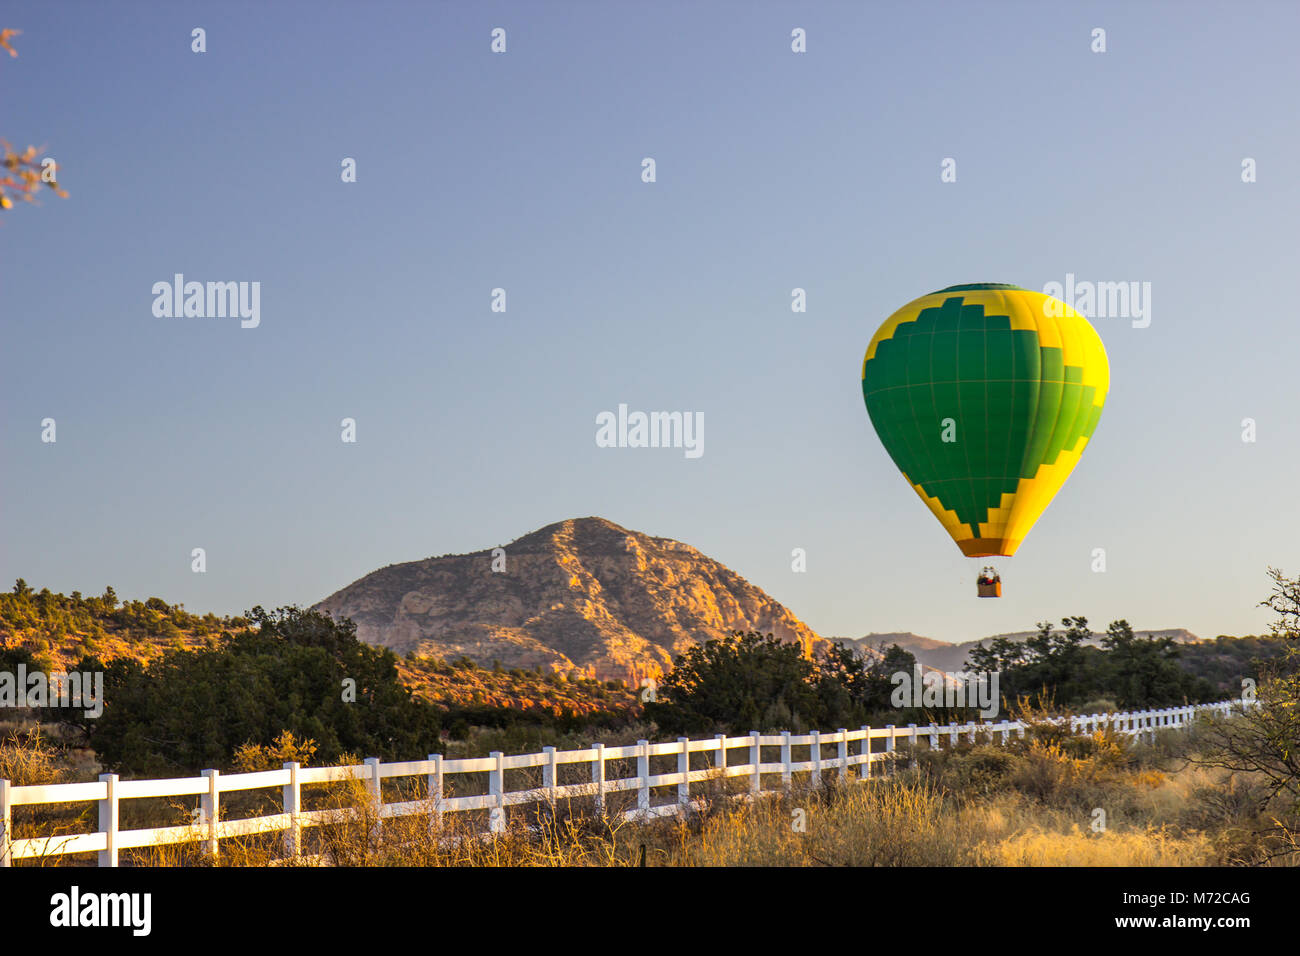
[946, 656]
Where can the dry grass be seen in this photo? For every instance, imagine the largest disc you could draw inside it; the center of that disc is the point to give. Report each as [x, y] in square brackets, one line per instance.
[1151, 847]
[29, 759]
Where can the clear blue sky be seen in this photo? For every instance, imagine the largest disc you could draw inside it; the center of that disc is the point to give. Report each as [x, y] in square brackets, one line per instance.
[522, 171]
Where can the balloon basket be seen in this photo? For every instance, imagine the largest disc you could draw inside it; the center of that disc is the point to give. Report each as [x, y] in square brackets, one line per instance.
[990, 590]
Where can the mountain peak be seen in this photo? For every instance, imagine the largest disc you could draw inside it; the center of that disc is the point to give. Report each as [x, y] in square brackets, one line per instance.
[581, 594]
[590, 527]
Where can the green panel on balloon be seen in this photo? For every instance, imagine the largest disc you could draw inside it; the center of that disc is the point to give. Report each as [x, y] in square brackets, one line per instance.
[1008, 404]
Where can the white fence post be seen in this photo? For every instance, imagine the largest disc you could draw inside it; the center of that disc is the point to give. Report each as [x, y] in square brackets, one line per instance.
[643, 773]
[889, 748]
[373, 784]
[210, 803]
[816, 754]
[911, 737]
[934, 736]
[598, 776]
[684, 768]
[866, 751]
[755, 755]
[549, 771]
[293, 806]
[844, 754]
[433, 786]
[496, 789]
[786, 773]
[6, 822]
[108, 819]
[721, 759]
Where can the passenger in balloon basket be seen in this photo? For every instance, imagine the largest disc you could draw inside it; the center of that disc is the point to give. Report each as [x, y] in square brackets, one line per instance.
[989, 583]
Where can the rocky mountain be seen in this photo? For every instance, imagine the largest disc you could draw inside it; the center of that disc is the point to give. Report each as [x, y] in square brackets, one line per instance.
[945, 656]
[580, 595]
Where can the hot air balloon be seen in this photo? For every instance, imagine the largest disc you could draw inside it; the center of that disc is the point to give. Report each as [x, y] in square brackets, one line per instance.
[985, 396]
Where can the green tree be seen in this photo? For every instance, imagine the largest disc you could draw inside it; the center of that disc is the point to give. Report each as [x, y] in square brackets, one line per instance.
[193, 709]
[727, 684]
[1136, 672]
[1144, 672]
[750, 681]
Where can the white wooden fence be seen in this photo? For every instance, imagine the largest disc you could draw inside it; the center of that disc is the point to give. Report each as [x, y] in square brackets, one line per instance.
[852, 748]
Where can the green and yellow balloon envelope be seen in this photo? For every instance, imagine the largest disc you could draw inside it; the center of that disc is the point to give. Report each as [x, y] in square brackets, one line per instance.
[985, 396]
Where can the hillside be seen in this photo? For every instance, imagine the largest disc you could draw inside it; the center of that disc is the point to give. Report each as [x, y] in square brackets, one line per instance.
[58, 629]
[462, 689]
[583, 595]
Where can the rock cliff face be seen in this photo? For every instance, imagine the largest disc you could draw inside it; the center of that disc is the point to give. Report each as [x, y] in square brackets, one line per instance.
[581, 595]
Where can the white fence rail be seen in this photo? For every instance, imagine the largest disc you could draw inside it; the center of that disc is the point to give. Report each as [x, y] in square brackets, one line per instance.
[851, 748]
